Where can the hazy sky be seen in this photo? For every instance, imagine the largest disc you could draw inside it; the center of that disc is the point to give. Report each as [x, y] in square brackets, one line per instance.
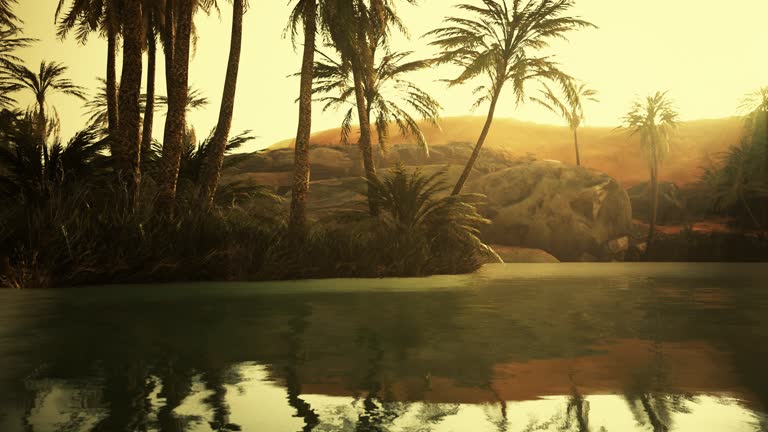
[707, 57]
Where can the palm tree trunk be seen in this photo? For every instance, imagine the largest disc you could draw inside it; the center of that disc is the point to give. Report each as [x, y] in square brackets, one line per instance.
[129, 127]
[365, 134]
[177, 107]
[112, 103]
[654, 204]
[215, 158]
[149, 108]
[576, 144]
[476, 152]
[42, 125]
[298, 215]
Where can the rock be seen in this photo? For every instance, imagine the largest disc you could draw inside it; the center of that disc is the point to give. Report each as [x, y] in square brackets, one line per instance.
[566, 210]
[672, 204]
[511, 254]
[619, 245]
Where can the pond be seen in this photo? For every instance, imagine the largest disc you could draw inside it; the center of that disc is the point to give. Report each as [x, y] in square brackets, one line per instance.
[560, 347]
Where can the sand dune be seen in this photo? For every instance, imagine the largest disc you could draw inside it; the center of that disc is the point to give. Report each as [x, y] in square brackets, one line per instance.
[605, 149]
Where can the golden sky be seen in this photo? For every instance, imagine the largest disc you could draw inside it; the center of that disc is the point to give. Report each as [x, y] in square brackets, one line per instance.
[707, 57]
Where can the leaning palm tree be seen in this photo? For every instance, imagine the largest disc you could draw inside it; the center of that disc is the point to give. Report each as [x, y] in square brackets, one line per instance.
[304, 14]
[42, 84]
[654, 120]
[569, 106]
[501, 42]
[212, 166]
[388, 101]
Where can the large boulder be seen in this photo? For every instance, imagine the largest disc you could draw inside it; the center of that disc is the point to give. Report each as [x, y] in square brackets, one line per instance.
[672, 206]
[574, 213]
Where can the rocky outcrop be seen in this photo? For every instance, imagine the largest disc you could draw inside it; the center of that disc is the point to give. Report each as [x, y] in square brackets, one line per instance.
[574, 213]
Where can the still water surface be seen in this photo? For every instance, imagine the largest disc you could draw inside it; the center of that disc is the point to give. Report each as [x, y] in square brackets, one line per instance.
[564, 347]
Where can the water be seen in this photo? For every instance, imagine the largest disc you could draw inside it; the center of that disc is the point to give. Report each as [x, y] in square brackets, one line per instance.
[564, 347]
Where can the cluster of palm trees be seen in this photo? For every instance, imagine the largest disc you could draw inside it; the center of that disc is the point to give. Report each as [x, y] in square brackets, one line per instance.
[493, 42]
[498, 41]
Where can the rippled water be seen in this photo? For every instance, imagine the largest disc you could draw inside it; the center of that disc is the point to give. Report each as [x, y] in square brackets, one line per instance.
[564, 347]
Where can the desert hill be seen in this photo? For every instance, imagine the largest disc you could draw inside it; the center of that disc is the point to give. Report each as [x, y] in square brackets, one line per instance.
[602, 148]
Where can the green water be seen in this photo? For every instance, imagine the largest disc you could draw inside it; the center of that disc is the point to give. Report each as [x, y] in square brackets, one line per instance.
[564, 347]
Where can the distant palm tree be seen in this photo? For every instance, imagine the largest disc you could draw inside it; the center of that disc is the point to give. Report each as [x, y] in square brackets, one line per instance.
[212, 166]
[42, 84]
[152, 21]
[304, 14]
[500, 42]
[569, 106]
[654, 120]
[756, 104]
[96, 106]
[388, 101]
[734, 180]
[86, 17]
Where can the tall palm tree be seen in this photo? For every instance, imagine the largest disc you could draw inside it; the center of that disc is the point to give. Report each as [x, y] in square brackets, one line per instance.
[129, 126]
[654, 120]
[569, 106]
[356, 29]
[85, 17]
[501, 42]
[48, 80]
[212, 168]
[389, 101]
[152, 11]
[177, 36]
[305, 14]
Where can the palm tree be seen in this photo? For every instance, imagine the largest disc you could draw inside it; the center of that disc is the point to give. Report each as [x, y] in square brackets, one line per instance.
[129, 126]
[389, 101]
[7, 18]
[212, 168]
[85, 17]
[500, 44]
[96, 106]
[756, 103]
[48, 80]
[654, 120]
[305, 12]
[356, 29]
[177, 33]
[570, 107]
[9, 43]
[152, 19]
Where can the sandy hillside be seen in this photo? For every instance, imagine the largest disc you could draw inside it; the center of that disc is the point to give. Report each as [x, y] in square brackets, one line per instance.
[602, 148]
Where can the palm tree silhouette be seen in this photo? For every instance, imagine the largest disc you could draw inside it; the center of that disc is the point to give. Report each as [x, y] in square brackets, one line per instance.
[654, 120]
[388, 101]
[569, 106]
[500, 42]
